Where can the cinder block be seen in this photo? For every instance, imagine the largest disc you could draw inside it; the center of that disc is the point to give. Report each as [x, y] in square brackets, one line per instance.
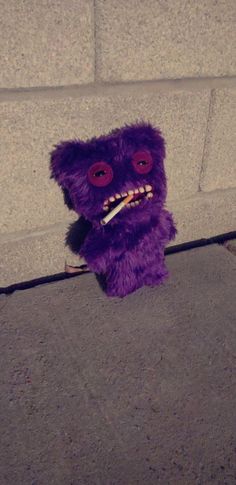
[35, 256]
[32, 257]
[29, 129]
[220, 150]
[46, 43]
[160, 39]
[28, 198]
[202, 216]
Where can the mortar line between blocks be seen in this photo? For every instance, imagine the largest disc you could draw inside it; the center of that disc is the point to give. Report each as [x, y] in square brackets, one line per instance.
[204, 152]
[95, 39]
[103, 88]
[28, 234]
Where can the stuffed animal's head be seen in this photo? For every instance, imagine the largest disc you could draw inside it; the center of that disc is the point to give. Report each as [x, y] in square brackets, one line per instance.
[97, 174]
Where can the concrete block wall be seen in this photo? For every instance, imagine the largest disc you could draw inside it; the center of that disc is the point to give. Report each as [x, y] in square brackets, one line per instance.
[81, 67]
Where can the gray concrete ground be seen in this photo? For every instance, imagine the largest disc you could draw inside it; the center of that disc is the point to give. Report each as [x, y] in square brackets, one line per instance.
[134, 391]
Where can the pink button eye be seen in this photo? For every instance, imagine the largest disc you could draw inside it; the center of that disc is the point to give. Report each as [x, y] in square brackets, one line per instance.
[100, 174]
[142, 161]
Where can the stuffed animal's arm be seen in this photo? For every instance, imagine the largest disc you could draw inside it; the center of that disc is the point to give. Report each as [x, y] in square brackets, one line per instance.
[95, 250]
[165, 229]
[172, 231]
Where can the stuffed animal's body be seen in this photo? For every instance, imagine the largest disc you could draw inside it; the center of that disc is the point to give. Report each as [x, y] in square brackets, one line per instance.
[128, 252]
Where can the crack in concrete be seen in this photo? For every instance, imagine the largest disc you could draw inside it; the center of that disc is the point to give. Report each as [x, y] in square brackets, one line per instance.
[206, 140]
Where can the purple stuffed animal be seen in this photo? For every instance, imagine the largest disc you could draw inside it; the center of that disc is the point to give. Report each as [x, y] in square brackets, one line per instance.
[128, 252]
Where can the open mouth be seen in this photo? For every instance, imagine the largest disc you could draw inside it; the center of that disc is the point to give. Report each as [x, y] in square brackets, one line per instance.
[139, 194]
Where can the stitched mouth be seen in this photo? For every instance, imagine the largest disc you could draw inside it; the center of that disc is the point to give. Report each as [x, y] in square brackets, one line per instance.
[139, 194]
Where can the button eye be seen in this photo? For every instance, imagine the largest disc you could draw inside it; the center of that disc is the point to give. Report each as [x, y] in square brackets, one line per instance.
[100, 174]
[142, 161]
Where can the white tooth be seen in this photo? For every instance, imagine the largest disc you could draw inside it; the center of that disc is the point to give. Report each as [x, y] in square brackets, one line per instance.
[105, 208]
[141, 189]
[124, 194]
[117, 196]
[130, 192]
[132, 204]
[111, 199]
[136, 191]
[148, 188]
[149, 195]
[137, 202]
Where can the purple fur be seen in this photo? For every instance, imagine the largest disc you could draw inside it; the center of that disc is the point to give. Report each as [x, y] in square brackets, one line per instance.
[129, 251]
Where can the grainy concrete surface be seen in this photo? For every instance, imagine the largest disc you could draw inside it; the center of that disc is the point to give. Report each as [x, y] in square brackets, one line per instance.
[134, 391]
[219, 153]
[46, 43]
[164, 38]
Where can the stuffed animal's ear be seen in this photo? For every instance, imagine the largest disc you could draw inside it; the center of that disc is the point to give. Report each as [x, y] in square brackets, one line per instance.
[63, 161]
[62, 166]
[146, 134]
